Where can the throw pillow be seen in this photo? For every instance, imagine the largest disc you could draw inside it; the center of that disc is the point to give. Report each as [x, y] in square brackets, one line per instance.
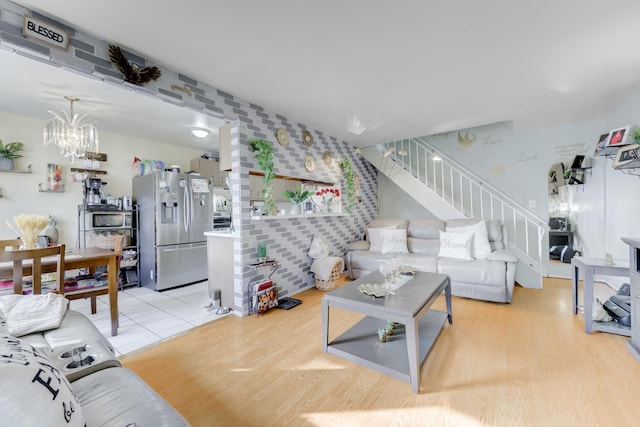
[318, 249]
[455, 245]
[33, 392]
[375, 238]
[25, 314]
[394, 241]
[480, 248]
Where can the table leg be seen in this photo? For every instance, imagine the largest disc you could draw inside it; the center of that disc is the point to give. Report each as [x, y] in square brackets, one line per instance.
[411, 335]
[447, 297]
[588, 298]
[325, 325]
[575, 279]
[112, 272]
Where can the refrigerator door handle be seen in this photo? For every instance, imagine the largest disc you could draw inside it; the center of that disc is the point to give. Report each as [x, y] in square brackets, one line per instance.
[185, 210]
[189, 205]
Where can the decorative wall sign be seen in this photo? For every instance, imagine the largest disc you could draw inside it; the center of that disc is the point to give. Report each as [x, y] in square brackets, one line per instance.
[466, 140]
[309, 163]
[307, 139]
[45, 32]
[282, 136]
[91, 155]
[326, 158]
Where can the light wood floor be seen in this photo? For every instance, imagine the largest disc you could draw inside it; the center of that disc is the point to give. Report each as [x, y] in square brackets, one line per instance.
[528, 363]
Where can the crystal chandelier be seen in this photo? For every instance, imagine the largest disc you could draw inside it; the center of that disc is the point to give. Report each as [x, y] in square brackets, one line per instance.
[73, 133]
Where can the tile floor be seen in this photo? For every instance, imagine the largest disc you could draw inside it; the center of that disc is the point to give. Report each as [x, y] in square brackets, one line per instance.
[147, 316]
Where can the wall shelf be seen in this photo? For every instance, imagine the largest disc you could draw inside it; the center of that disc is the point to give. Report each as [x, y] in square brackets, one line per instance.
[89, 171]
[29, 170]
[42, 189]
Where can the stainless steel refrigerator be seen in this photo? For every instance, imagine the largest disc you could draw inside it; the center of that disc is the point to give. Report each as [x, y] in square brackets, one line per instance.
[174, 211]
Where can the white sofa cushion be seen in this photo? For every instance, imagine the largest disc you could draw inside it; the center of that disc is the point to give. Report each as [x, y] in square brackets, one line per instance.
[33, 392]
[394, 241]
[479, 272]
[375, 237]
[480, 247]
[118, 397]
[455, 245]
[25, 314]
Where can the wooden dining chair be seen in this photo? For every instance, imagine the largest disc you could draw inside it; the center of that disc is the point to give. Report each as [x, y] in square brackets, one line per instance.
[12, 244]
[19, 259]
[94, 291]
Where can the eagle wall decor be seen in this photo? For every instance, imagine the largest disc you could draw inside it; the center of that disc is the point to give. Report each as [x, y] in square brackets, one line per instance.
[132, 73]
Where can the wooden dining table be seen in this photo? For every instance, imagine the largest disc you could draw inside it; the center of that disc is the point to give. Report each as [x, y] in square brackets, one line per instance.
[81, 258]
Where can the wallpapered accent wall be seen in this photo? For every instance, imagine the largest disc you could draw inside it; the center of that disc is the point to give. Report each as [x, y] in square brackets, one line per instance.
[288, 240]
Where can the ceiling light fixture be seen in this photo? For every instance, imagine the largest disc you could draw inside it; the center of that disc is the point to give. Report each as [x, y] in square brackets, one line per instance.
[388, 151]
[73, 133]
[355, 126]
[200, 132]
[402, 152]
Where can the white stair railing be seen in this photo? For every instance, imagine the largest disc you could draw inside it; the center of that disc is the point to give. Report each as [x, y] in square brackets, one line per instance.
[475, 198]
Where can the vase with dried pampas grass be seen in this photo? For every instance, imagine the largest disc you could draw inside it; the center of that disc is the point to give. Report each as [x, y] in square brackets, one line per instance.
[30, 227]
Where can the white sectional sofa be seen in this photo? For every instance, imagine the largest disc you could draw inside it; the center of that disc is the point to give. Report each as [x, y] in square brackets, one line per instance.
[68, 376]
[478, 263]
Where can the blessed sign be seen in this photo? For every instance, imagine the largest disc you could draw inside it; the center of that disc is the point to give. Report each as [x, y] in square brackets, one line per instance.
[43, 31]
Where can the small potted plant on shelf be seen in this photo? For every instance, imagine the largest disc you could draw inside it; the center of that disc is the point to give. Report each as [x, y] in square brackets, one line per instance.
[9, 152]
[296, 197]
[262, 252]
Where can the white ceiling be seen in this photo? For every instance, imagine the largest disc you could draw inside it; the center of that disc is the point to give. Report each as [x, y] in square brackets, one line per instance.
[402, 69]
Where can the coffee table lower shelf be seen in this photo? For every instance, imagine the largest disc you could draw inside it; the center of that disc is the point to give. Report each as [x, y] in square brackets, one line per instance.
[360, 344]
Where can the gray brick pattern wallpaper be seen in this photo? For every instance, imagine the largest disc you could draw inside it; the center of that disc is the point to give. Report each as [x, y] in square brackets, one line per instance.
[287, 239]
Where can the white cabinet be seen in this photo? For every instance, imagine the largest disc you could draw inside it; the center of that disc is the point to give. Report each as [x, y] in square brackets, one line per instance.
[220, 266]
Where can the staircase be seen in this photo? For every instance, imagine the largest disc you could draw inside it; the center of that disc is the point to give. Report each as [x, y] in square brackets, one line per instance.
[448, 190]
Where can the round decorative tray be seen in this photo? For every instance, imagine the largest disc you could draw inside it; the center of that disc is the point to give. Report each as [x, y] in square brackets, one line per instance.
[372, 289]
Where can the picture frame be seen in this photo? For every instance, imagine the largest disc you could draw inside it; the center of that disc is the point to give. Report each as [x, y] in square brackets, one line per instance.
[627, 156]
[618, 137]
[601, 144]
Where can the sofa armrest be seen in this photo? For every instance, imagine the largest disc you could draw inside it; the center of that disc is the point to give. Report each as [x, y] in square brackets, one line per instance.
[360, 245]
[504, 255]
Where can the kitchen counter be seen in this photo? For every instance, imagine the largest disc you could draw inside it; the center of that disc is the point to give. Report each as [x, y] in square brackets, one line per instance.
[223, 234]
[315, 215]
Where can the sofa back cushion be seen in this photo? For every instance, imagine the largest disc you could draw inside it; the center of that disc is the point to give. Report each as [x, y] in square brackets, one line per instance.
[480, 247]
[424, 236]
[494, 230]
[387, 223]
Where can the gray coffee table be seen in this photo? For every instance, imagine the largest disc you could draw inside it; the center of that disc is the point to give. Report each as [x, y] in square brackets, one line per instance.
[402, 355]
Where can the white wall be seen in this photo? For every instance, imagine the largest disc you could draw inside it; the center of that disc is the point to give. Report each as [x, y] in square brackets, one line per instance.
[20, 191]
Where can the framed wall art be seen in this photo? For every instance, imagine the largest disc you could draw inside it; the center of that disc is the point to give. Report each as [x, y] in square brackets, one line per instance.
[627, 157]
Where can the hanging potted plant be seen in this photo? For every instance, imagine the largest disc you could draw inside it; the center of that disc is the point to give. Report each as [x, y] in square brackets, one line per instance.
[8, 153]
[263, 151]
[349, 179]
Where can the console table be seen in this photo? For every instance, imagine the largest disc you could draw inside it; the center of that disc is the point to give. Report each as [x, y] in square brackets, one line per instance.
[591, 267]
[634, 271]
